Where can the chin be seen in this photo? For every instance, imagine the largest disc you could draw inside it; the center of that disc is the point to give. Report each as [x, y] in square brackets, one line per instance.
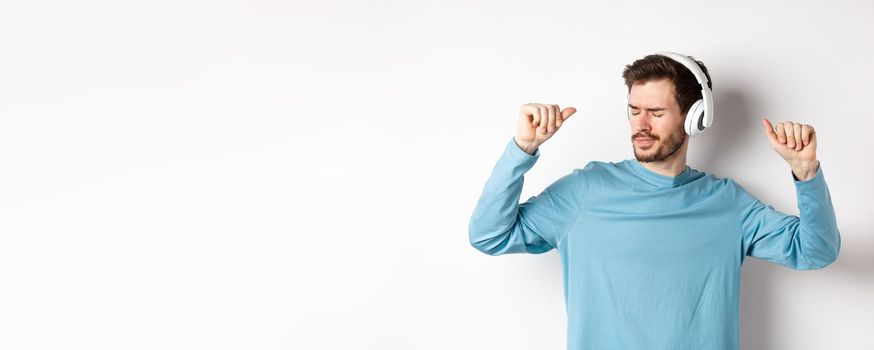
[645, 156]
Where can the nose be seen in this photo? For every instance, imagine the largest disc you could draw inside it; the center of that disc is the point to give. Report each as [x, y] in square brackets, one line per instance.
[641, 122]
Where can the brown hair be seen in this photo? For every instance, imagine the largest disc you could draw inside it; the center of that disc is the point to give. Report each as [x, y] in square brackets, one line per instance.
[655, 67]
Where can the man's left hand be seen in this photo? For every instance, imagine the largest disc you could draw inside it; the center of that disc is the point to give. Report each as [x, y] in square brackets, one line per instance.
[796, 143]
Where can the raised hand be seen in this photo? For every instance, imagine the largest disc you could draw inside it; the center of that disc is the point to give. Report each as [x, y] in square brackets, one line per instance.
[796, 143]
[538, 122]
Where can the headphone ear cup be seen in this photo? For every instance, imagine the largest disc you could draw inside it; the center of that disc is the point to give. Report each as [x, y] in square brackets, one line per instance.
[627, 109]
[695, 118]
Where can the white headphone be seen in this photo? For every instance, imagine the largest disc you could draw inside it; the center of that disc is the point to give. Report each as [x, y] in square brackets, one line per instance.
[700, 115]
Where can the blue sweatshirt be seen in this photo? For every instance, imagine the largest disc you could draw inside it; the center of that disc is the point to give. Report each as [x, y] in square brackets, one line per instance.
[650, 261]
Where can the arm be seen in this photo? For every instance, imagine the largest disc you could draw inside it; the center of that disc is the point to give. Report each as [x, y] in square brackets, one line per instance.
[808, 241]
[811, 241]
[500, 225]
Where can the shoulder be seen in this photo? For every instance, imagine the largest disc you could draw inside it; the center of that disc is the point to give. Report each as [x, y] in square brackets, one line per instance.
[715, 180]
[594, 169]
[599, 167]
[579, 177]
[725, 182]
[596, 174]
[714, 184]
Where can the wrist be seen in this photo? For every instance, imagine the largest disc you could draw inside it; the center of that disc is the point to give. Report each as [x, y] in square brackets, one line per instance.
[805, 169]
[526, 147]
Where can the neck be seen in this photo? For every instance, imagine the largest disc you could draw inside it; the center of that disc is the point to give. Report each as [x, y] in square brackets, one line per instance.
[672, 166]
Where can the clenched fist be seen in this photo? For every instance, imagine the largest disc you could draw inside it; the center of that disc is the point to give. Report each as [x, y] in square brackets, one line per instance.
[796, 143]
[538, 122]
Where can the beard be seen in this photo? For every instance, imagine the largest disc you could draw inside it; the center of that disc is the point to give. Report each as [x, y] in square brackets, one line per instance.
[664, 147]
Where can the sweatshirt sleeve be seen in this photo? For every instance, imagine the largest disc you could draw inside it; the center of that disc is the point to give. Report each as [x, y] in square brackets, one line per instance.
[808, 241]
[500, 225]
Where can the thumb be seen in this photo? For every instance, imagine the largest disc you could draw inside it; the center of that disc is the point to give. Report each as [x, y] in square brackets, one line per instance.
[567, 112]
[769, 130]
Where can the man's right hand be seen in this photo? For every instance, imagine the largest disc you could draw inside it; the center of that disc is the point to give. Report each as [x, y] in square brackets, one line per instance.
[537, 123]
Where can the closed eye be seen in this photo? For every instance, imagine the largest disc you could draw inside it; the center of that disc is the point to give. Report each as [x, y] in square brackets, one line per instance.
[654, 115]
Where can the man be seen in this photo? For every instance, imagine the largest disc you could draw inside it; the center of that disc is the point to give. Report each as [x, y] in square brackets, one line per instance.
[651, 249]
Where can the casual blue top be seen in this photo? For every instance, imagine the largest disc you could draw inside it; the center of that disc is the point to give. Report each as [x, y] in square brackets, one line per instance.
[650, 261]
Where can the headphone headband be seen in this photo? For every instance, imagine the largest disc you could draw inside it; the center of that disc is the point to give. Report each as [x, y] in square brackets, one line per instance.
[689, 64]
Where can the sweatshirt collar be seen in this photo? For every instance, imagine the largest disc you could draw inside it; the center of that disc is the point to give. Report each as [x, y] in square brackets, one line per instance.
[659, 179]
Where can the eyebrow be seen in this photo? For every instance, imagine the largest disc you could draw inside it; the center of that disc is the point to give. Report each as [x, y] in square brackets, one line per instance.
[655, 109]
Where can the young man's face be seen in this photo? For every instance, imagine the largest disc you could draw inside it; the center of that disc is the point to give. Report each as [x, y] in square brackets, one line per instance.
[656, 124]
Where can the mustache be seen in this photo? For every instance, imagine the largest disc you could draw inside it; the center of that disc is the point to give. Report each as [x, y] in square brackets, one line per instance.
[644, 135]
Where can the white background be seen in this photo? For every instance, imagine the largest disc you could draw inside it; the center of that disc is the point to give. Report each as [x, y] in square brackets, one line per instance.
[300, 175]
